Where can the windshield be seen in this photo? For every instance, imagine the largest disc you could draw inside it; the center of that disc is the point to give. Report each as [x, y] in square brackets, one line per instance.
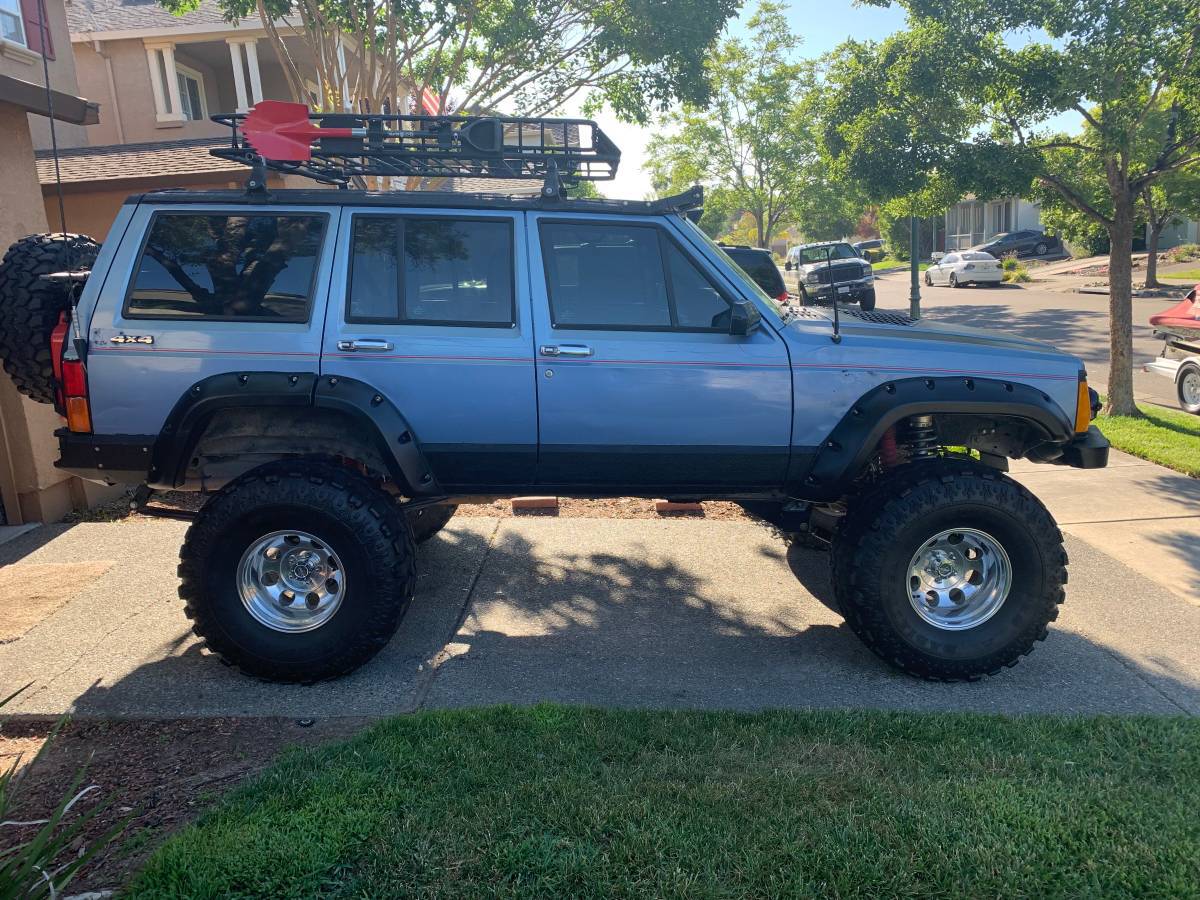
[810, 255]
[979, 256]
[735, 270]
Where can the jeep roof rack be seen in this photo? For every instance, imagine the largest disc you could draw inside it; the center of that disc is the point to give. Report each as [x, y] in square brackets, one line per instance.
[338, 148]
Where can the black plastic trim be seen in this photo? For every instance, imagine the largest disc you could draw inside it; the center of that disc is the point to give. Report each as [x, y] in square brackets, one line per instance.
[1087, 451]
[395, 438]
[855, 437]
[107, 458]
[695, 468]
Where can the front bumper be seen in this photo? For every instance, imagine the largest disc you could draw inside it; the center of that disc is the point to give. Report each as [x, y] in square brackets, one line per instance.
[1087, 451]
[846, 290]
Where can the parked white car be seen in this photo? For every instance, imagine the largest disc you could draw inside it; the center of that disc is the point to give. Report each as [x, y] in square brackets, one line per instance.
[964, 267]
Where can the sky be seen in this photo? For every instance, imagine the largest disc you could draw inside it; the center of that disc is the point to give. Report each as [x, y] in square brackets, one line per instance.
[821, 24]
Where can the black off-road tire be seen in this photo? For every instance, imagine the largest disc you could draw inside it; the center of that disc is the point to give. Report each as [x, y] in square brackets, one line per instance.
[867, 303]
[361, 524]
[30, 306]
[427, 521]
[888, 524]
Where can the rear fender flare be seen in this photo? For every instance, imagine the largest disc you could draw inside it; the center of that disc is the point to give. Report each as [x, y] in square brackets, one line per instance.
[844, 453]
[391, 433]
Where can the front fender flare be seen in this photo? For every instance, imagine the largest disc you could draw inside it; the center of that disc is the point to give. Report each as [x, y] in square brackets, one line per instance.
[852, 441]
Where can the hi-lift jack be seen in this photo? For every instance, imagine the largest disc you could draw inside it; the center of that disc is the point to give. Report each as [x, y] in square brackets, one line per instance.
[340, 148]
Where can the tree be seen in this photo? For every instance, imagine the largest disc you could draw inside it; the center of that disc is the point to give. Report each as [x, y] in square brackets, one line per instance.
[1114, 62]
[747, 142]
[528, 56]
[1172, 199]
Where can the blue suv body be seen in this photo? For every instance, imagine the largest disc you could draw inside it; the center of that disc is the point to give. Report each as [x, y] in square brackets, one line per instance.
[333, 365]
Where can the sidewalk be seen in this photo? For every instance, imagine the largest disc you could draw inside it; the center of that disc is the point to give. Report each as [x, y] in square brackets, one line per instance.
[1141, 514]
[655, 613]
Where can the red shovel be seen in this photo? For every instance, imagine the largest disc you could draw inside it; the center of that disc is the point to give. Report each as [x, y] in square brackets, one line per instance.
[282, 131]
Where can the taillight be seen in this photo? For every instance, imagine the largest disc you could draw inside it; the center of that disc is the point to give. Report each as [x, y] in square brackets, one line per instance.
[75, 396]
[783, 298]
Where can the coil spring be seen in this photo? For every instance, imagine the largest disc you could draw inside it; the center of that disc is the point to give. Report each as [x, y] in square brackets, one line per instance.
[921, 437]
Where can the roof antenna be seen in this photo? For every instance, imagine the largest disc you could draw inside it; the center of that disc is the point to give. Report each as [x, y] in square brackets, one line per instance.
[837, 325]
[45, 38]
[80, 345]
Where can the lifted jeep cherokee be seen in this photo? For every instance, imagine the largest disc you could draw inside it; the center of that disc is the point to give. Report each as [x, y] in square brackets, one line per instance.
[338, 368]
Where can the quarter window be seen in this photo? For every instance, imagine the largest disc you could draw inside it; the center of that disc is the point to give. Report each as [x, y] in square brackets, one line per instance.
[616, 276]
[223, 267]
[431, 271]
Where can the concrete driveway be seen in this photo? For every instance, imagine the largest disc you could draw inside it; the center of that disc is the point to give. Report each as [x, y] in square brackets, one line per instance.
[672, 613]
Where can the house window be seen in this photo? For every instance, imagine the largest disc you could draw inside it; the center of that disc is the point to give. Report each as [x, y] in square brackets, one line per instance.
[11, 26]
[191, 92]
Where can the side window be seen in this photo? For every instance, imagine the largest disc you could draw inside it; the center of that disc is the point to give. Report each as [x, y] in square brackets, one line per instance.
[616, 276]
[605, 275]
[431, 271]
[950, 260]
[227, 267]
[697, 303]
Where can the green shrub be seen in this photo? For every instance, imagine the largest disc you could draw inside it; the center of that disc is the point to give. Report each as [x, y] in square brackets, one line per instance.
[1184, 253]
[1014, 270]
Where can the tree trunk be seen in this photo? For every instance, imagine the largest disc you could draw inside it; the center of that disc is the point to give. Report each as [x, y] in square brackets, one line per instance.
[1156, 231]
[1119, 400]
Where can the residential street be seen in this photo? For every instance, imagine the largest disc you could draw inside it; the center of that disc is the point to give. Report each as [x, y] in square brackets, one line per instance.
[1070, 321]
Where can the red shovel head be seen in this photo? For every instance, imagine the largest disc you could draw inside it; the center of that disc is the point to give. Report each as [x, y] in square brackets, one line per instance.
[282, 131]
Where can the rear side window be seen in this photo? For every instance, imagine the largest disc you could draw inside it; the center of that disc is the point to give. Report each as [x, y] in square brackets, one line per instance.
[222, 267]
[624, 277]
[431, 271]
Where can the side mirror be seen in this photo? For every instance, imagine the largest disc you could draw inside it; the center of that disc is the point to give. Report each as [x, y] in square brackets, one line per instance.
[937, 255]
[745, 318]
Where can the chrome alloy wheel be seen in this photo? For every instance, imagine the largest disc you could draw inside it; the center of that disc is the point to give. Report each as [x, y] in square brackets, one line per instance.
[1189, 388]
[959, 579]
[291, 582]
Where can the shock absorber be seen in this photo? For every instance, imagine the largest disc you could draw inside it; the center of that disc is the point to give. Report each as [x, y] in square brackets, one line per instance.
[921, 437]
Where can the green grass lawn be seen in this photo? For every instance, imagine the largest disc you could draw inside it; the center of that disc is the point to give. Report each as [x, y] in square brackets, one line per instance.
[1192, 275]
[554, 801]
[1168, 437]
[889, 263]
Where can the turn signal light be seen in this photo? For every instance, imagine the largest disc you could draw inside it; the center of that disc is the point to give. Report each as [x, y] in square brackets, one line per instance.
[1083, 406]
[79, 416]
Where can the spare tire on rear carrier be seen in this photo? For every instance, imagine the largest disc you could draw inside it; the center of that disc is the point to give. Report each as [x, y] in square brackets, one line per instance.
[30, 305]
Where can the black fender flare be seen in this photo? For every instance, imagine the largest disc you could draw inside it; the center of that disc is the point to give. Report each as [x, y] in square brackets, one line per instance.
[843, 454]
[393, 436]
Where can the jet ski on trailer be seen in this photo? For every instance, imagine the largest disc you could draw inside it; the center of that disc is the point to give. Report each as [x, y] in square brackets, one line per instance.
[1181, 323]
[1179, 327]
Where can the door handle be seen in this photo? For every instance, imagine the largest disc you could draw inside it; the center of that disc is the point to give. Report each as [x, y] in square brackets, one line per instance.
[366, 345]
[575, 350]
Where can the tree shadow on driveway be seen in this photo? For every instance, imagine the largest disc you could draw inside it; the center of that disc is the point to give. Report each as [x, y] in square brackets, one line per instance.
[685, 613]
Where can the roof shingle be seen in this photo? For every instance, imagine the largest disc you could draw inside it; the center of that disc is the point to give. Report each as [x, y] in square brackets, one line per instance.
[134, 161]
[120, 15]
